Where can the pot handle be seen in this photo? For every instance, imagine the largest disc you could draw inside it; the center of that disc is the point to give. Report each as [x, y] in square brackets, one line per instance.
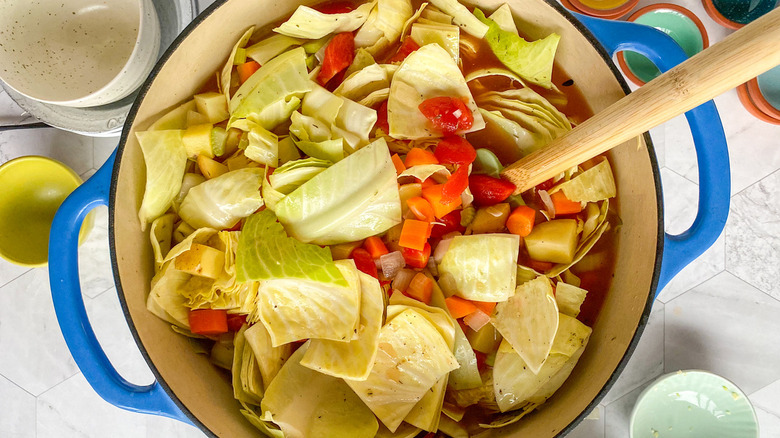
[709, 142]
[72, 316]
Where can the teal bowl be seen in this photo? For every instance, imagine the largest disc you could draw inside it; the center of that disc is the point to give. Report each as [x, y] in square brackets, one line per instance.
[693, 404]
[769, 85]
[679, 23]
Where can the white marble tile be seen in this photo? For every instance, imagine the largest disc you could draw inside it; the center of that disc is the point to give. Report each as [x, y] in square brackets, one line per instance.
[88, 174]
[680, 201]
[111, 329]
[706, 266]
[166, 427]
[618, 414]
[73, 409]
[104, 147]
[72, 149]
[753, 235]
[768, 424]
[35, 355]
[10, 271]
[727, 327]
[768, 398]
[17, 411]
[591, 427]
[94, 258]
[647, 360]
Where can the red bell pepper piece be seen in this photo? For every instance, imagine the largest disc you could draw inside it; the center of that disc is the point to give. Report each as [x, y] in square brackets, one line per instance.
[447, 114]
[364, 262]
[381, 118]
[416, 258]
[338, 56]
[235, 322]
[453, 149]
[407, 47]
[488, 190]
[449, 223]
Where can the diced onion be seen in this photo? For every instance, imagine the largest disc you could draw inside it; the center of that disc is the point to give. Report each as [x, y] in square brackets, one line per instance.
[548, 203]
[433, 267]
[441, 249]
[476, 320]
[447, 284]
[402, 279]
[391, 263]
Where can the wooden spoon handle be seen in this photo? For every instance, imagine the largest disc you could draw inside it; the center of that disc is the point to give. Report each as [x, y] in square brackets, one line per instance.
[740, 57]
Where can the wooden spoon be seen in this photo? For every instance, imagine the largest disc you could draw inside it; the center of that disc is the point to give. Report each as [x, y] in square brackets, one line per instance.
[740, 57]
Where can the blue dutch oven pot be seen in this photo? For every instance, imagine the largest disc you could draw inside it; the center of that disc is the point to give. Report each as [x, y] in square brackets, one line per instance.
[674, 252]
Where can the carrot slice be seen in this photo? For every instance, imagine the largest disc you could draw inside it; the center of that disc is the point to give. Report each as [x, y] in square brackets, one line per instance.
[433, 194]
[521, 220]
[459, 307]
[208, 321]
[420, 288]
[399, 165]
[246, 70]
[563, 205]
[375, 247]
[418, 156]
[414, 234]
[421, 208]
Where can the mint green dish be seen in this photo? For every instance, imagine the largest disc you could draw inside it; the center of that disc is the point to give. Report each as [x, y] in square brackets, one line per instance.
[693, 404]
[769, 84]
[675, 24]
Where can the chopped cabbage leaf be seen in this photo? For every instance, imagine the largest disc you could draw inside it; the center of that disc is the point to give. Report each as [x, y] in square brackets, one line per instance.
[435, 15]
[533, 61]
[269, 48]
[247, 380]
[504, 19]
[222, 201]
[346, 119]
[427, 72]
[352, 360]
[515, 384]
[175, 118]
[227, 70]
[462, 17]
[424, 171]
[493, 71]
[282, 81]
[384, 25]
[293, 309]
[405, 430]
[305, 403]
[269, 358]
[501, 131]
[164, 299]
[569, 298]
[529, 103]
[309, 23]
[412, 357]
[201, 235]
[313, 137]
[445, 35]
[166, 161]
[478, 277]
[262, 146]
[160, 234]
[265, 425]
[594, 184]
[293, 174]
[349, 201]
[467, 375]
[265, 252]
[528, 321]
[368, 80]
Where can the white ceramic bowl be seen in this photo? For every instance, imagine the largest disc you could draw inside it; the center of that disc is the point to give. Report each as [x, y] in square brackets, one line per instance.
[77, 53]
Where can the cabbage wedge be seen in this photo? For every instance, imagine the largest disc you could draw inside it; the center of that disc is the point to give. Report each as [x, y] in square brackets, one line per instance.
[427, 72]
[227, 71]
[445, 35]
[349, 201]
[221, 202]
[247, 380]
[293, 309]
[529, 321]
[164, 299]
[483, 278]
[166, 161]
[592, 185]
[352, 360]
[311, 24]
[305, 403]
[412, 357]
[384, 25]
[270, 359]
[569, 298]
[461, 16]
[161, 234]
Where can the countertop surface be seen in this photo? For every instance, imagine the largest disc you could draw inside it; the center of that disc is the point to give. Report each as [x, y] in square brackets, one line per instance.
[719, 314]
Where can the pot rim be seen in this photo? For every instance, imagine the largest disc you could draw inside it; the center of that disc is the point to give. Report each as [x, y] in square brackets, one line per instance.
[175, 45]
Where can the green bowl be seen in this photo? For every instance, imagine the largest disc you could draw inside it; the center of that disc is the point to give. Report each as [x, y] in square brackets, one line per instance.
[33, 189]
[693, 404]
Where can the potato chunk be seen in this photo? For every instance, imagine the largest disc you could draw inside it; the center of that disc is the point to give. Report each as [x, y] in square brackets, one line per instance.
[201, 260]
[554, 241]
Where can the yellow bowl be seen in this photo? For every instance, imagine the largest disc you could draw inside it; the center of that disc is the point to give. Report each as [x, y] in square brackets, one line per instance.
[33, 189]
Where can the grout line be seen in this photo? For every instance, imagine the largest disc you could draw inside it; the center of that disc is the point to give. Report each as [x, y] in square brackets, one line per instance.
[16, 278]
[16, 385]
[78, 371]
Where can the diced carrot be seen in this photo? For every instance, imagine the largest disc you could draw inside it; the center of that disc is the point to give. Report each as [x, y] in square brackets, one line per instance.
[420, 288]
[521, 220]
[485, 306]
[375, 247]
[246, 70]
[433, 195]
[417, 156]
[563, 205]
[414, 234]
[399, 165]
[421, 208]
[459, 307]
[208, 322]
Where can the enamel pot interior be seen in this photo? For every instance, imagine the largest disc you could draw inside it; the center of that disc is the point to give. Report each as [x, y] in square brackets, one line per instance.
[205, 393]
